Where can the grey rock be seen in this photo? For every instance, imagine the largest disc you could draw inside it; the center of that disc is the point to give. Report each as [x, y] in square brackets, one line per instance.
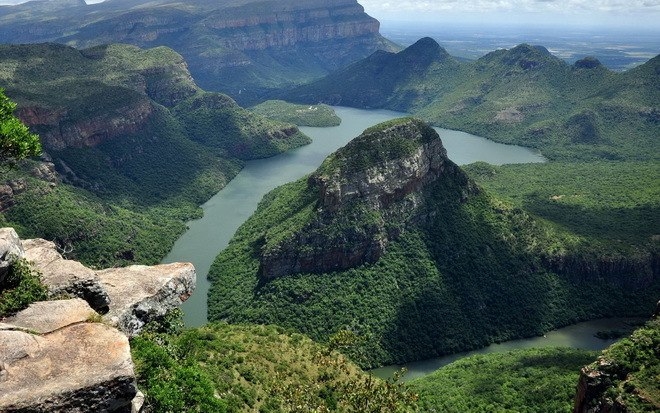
[137, 403]
[140, 294]
[47, 316]
[10, 250]
[84, 367]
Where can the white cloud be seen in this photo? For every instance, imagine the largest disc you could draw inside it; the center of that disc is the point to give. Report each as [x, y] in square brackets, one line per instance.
[631, 13]
[625, 6]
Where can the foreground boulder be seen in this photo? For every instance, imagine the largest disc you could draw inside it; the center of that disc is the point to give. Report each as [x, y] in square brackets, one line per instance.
[66, 364]
[65, 277]
[54, 357]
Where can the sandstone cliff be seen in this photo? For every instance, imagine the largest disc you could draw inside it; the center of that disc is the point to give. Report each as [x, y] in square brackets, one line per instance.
[240, 47]
[55, 356]
[366, 194]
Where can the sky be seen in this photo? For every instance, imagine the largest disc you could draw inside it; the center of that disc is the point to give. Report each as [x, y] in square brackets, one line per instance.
[602, 13]
[614, 13]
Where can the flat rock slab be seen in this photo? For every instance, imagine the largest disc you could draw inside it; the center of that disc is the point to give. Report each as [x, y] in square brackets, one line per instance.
[47, 316]
[141, 293]
[84, 367]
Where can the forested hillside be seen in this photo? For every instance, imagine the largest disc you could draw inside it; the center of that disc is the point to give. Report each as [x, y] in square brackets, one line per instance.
[132, 147]
[523, 95]
[432, 265]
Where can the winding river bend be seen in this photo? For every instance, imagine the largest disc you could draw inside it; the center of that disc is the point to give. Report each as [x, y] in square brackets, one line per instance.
[229, 208]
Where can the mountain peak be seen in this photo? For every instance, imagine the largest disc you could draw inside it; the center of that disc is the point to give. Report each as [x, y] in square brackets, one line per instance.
[362, 197]
[588, 62]
[426, 47]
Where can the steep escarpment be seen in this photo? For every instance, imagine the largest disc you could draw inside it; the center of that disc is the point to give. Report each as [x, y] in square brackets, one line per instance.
[243, 47]
[390, 240]
[367, 193]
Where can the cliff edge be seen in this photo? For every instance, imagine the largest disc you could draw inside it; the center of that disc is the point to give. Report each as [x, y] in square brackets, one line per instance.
[72, 353]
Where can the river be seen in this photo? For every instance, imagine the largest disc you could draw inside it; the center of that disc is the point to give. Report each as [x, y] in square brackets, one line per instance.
[581, 335]
[229, 208]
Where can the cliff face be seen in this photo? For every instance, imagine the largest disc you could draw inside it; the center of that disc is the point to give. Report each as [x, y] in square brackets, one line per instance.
[271, 42]
[61, 131]
[367, 193]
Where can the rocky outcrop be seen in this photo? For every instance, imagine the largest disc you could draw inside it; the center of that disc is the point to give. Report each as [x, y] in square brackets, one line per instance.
[46, 316]
[8, 193]
[66, 277]
[129, 297]
[10, 251]
[62, 131]
[622, 380]
[55, 357]
[139, 294]
[636, 271]
[367, 194]
[82, 367]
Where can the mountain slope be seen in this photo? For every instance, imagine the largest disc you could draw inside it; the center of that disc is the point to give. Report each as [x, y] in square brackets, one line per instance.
[131, 127]
[391, 240]
[523, 95]
[240, 47]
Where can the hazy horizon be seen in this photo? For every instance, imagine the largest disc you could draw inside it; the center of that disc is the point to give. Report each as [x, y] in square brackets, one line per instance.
[594, 14]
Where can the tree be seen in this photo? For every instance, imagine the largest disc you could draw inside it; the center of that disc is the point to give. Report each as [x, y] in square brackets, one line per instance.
[16, 141]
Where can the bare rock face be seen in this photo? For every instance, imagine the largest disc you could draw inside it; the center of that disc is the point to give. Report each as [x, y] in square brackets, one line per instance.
[64, 276]
[83, 367]
[10, 250]
[61, 132]
[141, 293]
[368, 193]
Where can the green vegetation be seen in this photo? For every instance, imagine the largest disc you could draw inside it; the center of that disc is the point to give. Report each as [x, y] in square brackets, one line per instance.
[16, 141]
[21, 287]
[301, 115]
[609, 202]
[523, 381]
[136, 143]
[633, 366]
[88, 229]
[389, 140]
[523, 96]
[223, 368]
[625, 376]
[438, 288]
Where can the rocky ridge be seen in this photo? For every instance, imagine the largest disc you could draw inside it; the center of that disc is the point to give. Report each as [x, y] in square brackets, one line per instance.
[55, 356]
[371, 189]
[233, 47]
